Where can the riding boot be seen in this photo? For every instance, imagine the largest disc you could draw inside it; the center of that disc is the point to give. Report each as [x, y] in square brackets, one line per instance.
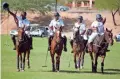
[86, 47]
[49, 42]
[30, 41]
[71, 43]
[65, 42]
[14, 42]
[89, 47]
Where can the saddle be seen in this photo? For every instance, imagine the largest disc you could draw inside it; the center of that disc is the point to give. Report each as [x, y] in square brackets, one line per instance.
[101, 44]
[78, 38]
[98, 40]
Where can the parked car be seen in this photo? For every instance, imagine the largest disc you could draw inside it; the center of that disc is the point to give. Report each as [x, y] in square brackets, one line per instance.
[40, 31]
[35, 30]
[13, 32]
[117, 37]
[59, 7]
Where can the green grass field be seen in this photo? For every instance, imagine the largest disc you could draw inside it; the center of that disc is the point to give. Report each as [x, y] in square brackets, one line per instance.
[112, 63]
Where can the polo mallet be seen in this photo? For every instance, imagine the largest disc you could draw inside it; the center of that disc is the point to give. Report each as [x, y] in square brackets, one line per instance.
[46, 59]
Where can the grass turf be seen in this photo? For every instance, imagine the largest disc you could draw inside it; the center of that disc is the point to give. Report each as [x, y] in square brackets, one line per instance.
[37, 59]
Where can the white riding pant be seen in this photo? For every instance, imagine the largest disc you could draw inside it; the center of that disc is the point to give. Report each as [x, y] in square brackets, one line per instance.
[84, 37]
[51, 33]
[92, 37]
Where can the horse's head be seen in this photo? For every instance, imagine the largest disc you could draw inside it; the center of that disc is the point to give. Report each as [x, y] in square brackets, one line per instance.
[75, 32]
[57, 36]
[20, 33]
[58, 32]
[109, 36]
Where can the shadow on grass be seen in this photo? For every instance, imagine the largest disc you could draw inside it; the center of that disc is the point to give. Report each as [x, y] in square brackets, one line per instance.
[106, 72]
[113, 70]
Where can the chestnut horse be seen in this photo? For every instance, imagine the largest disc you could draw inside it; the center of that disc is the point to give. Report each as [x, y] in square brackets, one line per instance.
[78, 49]
[100, 45]
[22, 46]
[56, 48]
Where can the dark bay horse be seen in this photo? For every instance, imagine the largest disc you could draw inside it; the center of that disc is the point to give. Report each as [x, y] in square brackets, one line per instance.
[56, 48]
[100, 45]
[78, 49]
[22, 47]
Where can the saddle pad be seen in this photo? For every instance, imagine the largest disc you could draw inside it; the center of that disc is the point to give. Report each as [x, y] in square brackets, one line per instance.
[98, 40]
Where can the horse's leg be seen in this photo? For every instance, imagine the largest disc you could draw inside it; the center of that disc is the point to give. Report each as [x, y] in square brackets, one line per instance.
[24, 61]
[57, 62]
[75, 60]
[95, 62]
[82, 60]
[102, 64]
[20, 61]
[28, 58]
[79, 60]
[53, 62]
[18, 69]
[92, 60]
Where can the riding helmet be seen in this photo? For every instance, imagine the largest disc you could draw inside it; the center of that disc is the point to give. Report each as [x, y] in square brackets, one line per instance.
[5, 5]
[80, 17]
[98, 16]
[56, 14]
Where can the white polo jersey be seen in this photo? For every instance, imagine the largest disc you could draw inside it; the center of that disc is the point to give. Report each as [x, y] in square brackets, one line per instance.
[99, 25]
[22, 23]
[56, 24]
[81, 26]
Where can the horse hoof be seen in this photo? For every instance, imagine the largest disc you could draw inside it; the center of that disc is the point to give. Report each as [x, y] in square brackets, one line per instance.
[78, 69]
[102, 72]
[81, 67]
[22, 70]
[75, 66]
[53, 70]
[18, 70]
[28, 67]
[94, 71]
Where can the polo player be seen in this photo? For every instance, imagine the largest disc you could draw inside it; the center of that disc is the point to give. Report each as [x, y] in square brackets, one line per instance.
[97, 28]
[22, 22]
[56, 23]
[81, 26]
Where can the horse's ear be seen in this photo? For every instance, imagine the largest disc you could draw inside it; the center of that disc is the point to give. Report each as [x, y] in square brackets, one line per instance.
[106, 29]
[111, 30]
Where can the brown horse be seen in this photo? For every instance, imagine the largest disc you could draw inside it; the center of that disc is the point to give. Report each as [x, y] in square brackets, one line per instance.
[22, 46]
[78, 49]
[100, 45]
[56, 48]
